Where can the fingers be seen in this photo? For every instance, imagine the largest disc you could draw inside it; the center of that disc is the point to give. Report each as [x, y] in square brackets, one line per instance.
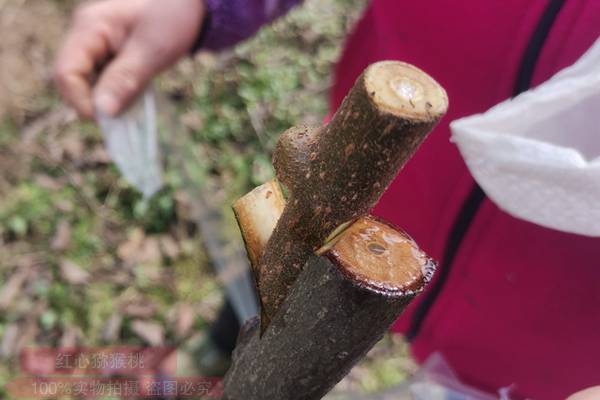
[75, 65]
[163, 34]
[592, 393]
[145, 36]
[94, 35]
[125, 77]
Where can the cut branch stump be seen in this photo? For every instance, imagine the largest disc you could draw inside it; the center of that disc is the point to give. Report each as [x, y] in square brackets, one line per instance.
[331, 279]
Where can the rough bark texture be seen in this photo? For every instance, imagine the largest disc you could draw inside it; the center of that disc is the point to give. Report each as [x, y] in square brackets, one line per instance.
[337, 173]
[329, 321]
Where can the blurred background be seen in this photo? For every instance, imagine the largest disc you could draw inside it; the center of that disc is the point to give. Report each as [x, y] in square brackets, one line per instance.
[84, 260]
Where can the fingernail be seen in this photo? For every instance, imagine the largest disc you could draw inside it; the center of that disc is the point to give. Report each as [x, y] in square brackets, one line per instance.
[106, 104]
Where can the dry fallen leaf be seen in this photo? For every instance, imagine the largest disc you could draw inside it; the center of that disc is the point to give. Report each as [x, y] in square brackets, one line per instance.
[138, 248]
[99, 155]
[120, 277]
[72, 145]
[64, 205]
[127, 251]
[49, 183]
[12, 287]
[141, 309]
[29, 330]
[73, 273]
[169, 247]
[186, 315]
[9, 340]
[112, 329]
[149, 331]
[62, 237]
[193, 120]
[149, 252]
[70, 337]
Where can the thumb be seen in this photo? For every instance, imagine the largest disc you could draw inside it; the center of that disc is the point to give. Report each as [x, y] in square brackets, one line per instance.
[592, 393]
[124, 78]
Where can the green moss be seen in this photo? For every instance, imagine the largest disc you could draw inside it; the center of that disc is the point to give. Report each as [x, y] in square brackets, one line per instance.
[244, 101]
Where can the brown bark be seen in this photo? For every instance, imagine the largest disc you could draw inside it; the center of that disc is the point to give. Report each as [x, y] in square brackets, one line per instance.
[337, 173]
[341, 305]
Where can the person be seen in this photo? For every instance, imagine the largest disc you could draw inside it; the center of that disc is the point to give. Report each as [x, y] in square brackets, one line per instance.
[513, 303]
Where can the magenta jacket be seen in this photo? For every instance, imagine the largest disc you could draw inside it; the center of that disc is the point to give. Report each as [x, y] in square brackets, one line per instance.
[513, 303]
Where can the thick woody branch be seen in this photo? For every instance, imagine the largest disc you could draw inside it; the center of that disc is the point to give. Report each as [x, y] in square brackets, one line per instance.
[341, 305]
[337, 173]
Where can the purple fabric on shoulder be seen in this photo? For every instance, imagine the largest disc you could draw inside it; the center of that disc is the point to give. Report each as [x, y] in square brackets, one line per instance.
[231, 21]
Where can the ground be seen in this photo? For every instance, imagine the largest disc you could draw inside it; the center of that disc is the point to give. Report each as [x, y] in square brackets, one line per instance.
[84, 259]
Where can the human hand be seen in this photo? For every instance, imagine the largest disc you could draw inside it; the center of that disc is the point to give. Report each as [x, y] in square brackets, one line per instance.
[592, 393]
[114, 48]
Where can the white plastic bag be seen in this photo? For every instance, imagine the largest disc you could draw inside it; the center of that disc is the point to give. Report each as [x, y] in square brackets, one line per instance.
[437, 381]
[132, 141]
[537, 156]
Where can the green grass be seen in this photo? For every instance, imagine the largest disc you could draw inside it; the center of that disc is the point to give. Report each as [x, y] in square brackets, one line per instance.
[224, 115]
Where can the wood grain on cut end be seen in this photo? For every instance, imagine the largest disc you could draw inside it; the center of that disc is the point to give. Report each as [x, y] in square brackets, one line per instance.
[379, 256]
[405, 90]
[257, 213]
[341, 305]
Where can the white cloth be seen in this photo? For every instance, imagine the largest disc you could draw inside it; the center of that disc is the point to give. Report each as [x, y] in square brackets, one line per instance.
[537, 156]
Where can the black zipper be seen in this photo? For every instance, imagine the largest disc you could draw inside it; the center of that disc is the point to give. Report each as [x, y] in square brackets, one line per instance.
[471, 206]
